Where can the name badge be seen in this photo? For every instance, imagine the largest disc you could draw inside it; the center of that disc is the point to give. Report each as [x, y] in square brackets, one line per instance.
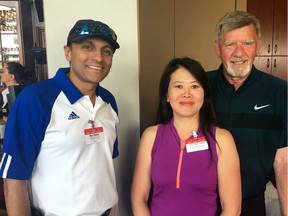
[196, 144]
[94, 135]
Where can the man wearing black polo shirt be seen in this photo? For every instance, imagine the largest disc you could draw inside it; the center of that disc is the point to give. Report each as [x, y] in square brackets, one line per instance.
[253, 106]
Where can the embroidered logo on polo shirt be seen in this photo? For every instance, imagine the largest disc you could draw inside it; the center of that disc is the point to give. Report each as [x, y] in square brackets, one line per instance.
[256, 107]
[73, 116]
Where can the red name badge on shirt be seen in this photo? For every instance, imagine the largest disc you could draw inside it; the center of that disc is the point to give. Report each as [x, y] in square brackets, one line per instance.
[196, 144]
[94, 135]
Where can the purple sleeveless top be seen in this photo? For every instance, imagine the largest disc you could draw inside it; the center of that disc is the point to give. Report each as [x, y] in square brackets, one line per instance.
[197, 194]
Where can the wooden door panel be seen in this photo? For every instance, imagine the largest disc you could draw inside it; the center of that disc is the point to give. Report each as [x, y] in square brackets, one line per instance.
[263, 64]
[280, 28]
[276, 66]
[263, 10]
[279, 67]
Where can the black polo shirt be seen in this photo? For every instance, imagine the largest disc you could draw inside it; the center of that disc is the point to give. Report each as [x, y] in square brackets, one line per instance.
[256, 115]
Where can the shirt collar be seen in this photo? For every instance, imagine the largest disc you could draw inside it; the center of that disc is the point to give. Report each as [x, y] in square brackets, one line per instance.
[69, 89]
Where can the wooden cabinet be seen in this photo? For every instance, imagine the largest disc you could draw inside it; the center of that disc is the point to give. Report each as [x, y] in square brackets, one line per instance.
[273, 18]
[276, 65]
[16, 34]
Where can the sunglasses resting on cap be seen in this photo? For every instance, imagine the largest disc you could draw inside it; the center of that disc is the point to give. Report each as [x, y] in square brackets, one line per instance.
[90, 28]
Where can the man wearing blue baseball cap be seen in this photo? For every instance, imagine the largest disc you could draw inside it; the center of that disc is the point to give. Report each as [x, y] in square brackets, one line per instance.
[61, 137]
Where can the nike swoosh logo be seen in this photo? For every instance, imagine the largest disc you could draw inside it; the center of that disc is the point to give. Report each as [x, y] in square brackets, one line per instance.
[260, 107]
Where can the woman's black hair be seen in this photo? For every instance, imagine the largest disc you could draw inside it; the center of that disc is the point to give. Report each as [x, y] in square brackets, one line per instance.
[23, 75]
[165, 113]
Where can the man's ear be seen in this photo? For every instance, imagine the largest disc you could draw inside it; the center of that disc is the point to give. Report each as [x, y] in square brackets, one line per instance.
[259, 45]
[67, 51]
[12, 76]
[217, 48]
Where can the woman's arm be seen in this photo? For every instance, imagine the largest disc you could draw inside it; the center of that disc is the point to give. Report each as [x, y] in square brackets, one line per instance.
[229, 179]
[280, 168]
[16, 197]
[141, 183]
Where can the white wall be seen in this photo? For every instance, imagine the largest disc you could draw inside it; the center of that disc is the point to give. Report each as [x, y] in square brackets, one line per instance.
[123, 82]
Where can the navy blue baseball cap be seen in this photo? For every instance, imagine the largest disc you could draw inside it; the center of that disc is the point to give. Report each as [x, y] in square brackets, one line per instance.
[90, 28]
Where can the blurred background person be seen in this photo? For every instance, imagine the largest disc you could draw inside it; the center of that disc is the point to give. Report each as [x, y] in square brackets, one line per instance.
[14, 74]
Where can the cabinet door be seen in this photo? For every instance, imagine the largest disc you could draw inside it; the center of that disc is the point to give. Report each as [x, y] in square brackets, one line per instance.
[263, 10]
[276, 65]
[272, 15]
[279, 67]
[263, 63]
[280, 28]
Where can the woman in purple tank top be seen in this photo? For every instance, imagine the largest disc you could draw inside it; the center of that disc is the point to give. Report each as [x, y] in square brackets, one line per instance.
[186, 165]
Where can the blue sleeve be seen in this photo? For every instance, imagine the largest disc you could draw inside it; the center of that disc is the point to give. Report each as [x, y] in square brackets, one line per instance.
[24, 132]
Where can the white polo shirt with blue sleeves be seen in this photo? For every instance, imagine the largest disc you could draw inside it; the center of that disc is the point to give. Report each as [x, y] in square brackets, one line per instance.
[45, 141]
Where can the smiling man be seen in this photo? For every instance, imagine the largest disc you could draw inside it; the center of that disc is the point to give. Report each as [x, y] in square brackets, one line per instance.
[252, 105]
[61, 137]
